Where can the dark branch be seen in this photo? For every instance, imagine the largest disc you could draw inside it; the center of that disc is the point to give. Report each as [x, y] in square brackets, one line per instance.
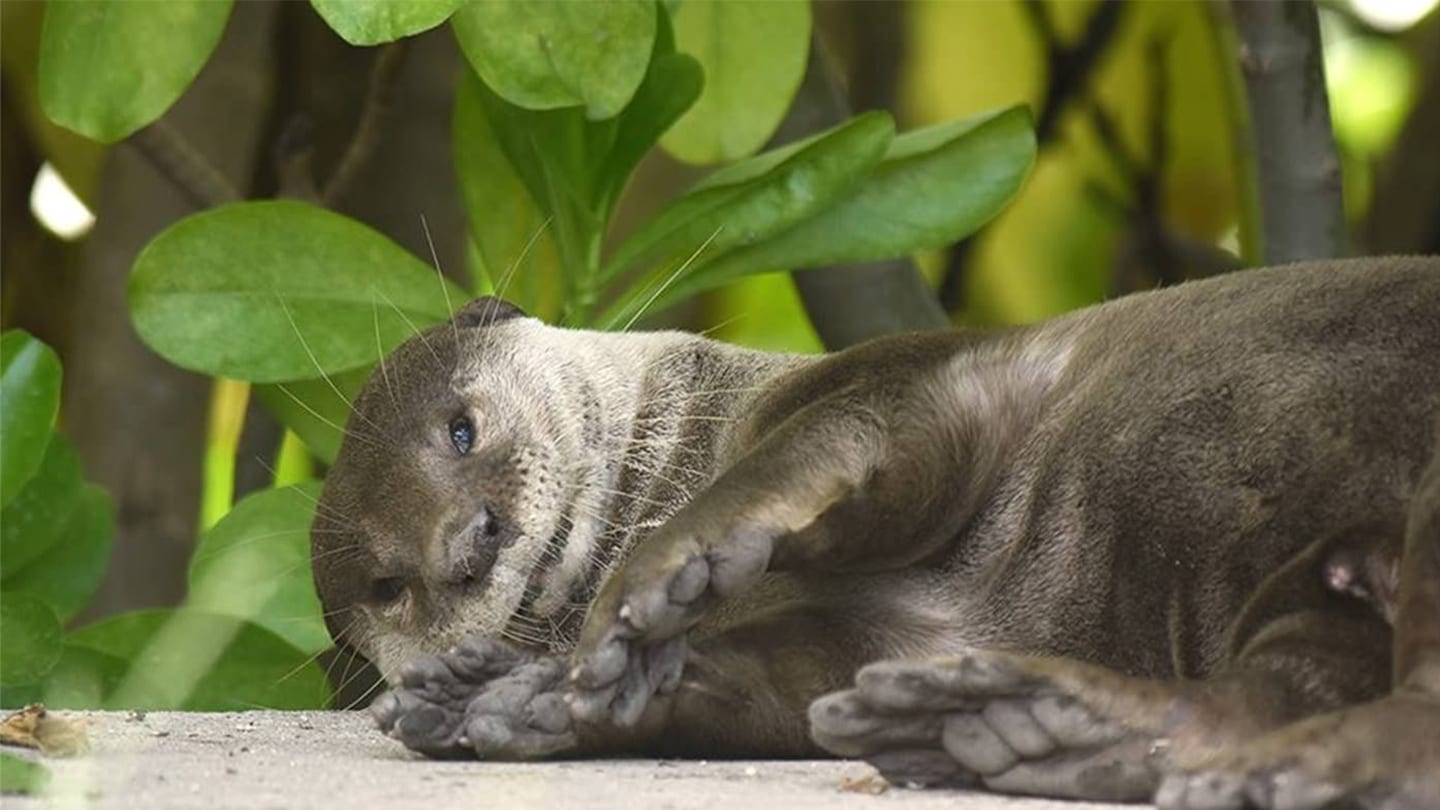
[1302, 214]
[378, 97]
[1070, 70]
[184, 166]
[849, 303]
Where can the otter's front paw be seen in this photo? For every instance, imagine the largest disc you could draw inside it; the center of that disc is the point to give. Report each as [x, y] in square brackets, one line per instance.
[1012, 723]
[633, 643]
[485, 698]
[1383, 755]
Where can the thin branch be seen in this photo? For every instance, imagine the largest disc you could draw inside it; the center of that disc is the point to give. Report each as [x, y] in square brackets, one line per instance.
[849, 303]
[166, 149]
[1151, 252]
[1070, 69]
[379, 94]
[1298, 168]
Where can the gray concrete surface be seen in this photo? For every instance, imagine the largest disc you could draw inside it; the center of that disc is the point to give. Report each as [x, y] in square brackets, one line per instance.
[337, 760]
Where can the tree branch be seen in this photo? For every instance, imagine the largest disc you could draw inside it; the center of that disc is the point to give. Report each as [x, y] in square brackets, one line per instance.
[849, 303]
[379, 94]
[1070, 69]
[1298, 170]
[166, 149]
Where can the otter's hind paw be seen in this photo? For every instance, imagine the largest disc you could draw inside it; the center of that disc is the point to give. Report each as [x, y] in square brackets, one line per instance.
[1011, 723]
[1383, 755]
[483, 699]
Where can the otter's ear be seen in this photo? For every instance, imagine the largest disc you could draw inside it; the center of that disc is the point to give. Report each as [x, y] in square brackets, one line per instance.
[486, 310]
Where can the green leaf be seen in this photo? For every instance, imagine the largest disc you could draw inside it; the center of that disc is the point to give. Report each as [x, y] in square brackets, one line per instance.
[196, 661]
[37, 519]
[30, 636]
[670, 88]
[108, 69]
[278, 290]
[754, 57]
[29, 400]
[255, 565]
[312, 409]
[20, 776]
[752, 209]
[935, 186]
[85, 678]
[547, 54]
[503, 215]
[68, 573]
[371, 22]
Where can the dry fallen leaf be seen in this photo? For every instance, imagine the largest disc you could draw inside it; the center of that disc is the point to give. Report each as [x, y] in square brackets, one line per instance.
[873, 784]
[53, 735]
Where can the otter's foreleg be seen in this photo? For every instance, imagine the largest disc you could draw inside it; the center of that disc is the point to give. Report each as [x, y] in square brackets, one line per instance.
[823, 492]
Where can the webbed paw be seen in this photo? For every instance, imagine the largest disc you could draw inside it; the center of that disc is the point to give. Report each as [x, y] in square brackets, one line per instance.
[633, 645]
[1008, 722]
[484, 698]
[1383, 755]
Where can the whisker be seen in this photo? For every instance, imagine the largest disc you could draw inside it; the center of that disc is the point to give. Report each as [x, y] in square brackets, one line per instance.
[440, 274]
[413, 327]
[305, 344]
[380, 353]
[354, 434]
[673, 276]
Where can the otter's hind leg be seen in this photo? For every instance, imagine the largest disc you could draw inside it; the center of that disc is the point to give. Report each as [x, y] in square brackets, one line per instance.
[1067, 728]
[1384, 754]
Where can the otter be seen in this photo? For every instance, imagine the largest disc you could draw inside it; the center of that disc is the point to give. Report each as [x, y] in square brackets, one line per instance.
[1180, 547]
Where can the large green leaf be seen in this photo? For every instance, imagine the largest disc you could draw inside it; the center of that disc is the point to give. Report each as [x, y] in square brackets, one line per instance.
[521, 169]
[30, 638]
[371, 22]
[83, 678]
[66, 575]
[313, 410]
[29, 400]
[935, 186]
[279, 290]
[752, 209]
[109, 68]
[37, 519]
[197, 661]
[546, 54]
[19, 776]
[255, 565]
[754, 56]
[670, 88]
[503, 216]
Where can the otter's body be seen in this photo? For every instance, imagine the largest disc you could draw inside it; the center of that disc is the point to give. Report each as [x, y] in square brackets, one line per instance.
[1184, 512]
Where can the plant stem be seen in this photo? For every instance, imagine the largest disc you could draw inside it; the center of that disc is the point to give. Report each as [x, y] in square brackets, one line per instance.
[850, 303]
[228, 399]
[1247, 179]
[1298, 168]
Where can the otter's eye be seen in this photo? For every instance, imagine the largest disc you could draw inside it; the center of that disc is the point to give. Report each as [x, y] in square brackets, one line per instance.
[462, 434]
[385, 590]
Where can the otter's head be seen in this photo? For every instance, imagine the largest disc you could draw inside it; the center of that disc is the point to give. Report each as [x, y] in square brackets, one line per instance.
[450, 487]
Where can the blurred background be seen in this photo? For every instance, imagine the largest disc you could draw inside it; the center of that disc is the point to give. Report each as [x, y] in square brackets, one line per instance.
[1137, 109]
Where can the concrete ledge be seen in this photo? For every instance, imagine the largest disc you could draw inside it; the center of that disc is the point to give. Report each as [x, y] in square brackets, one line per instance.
[337, 760]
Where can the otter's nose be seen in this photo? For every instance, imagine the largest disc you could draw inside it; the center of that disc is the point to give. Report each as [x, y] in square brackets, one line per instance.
[472, 551]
